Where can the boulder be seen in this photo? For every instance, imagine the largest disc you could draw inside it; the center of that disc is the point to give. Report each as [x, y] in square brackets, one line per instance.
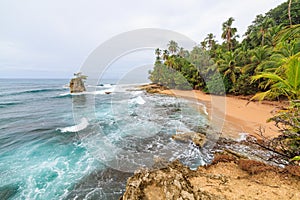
[164, 184]
[77, 85]
[198, 139]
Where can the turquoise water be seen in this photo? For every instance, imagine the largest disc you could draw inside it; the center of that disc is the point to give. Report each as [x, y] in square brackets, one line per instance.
[54, 145]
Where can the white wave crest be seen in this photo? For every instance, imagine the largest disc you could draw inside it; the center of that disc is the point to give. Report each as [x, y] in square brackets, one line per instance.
[82, 125]
[107, 91]
[204, 108]
[138, 100]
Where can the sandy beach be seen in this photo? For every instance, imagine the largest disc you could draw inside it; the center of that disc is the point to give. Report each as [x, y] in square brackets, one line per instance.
[234, 115]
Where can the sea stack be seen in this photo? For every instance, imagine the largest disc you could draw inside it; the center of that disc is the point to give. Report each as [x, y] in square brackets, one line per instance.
[77, 84]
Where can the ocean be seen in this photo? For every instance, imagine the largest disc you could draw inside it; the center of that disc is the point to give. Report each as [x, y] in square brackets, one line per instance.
[54, 145]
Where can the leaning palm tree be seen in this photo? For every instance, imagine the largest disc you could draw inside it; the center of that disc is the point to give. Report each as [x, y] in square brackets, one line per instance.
[286, 83]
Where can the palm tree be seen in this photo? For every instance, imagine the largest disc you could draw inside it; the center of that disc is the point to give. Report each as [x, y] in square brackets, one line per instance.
[183, 53]
[171, 62]
[210, 41]
[259, 56]
[228, 32]
[165, 54]
[203, 44]
[290, 33]
[281, 53]
[158, 53]
[173, 47]
[265, 25]
[227, 66]
[286, 83]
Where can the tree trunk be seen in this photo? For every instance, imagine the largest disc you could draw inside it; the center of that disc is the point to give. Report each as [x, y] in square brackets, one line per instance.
[228, 39]
[289, 12]
[263, 38]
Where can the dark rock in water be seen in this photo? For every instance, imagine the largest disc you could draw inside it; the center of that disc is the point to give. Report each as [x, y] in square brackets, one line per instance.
[77, 85]
[8, 191]
[107, 184]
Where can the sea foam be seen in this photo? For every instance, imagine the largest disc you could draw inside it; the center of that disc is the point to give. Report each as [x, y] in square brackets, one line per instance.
[138, 100]
[82, 125]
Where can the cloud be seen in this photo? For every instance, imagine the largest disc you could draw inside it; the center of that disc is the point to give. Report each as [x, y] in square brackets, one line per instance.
[51, 35]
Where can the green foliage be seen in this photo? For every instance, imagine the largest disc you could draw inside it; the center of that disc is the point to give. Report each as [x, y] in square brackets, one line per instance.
[217, 85]
[269, 52]
[229, 33]
[265, 63]
[168, 77]
[80, 75]
[282, 84]
[296, 158]
[244, 86]
[288, 122]
[280, 13]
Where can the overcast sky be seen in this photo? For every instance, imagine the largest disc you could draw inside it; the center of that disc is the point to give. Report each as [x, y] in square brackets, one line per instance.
[52, 39]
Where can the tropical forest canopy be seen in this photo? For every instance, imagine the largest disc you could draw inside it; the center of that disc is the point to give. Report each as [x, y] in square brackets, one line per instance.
[266, 63]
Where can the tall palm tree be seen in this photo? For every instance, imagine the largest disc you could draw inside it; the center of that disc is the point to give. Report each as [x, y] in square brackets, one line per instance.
[210, 40]
[265, 25]
[286, 83]
[228, 32]
[173, 47]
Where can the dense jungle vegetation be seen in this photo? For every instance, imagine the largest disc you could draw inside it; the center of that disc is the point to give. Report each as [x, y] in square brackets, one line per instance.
[264, 64]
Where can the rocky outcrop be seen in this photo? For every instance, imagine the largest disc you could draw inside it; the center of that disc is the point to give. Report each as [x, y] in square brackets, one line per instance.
[227, 177]
[168, 183]
[77, 85]
[198, 139]
[153, 88]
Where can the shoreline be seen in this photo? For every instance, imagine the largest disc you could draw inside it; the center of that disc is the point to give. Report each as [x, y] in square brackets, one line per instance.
[234, 115]
[232, 174]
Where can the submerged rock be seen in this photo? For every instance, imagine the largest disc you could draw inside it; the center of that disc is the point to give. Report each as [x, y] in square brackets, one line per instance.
[77, 85]
[106, 184]
[8, 191]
